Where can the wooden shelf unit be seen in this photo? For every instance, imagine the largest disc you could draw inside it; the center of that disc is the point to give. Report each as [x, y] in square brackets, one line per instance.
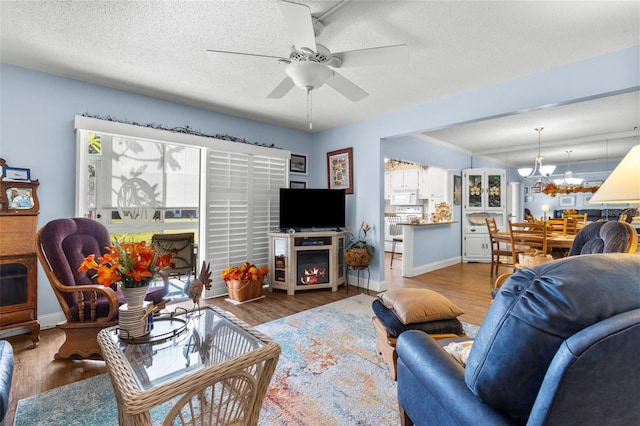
[18, 265]
[284, 252]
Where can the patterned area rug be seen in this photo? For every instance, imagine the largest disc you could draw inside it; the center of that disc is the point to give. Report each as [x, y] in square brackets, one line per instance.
[328, 374]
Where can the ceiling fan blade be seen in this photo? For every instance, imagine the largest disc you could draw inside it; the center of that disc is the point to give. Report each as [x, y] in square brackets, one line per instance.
[299, 24]
[282, 88]
[243, 54]
[398, 54]
[346, 88]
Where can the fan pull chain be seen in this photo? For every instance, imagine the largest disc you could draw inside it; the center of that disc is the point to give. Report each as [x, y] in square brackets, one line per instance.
[309, 111]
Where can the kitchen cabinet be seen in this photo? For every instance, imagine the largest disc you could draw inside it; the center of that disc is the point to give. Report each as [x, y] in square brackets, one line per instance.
[483, 196]
[432, 185]
[404, 179]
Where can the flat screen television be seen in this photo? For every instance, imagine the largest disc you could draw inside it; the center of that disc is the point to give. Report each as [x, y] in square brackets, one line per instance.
[312, 208]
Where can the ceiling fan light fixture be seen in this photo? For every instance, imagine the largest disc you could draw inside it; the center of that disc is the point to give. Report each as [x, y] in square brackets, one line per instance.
[311, 75]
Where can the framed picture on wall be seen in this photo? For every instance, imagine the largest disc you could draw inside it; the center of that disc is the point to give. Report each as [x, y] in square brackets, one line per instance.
[534, 190]
[526, 190]
[297, 184]
[567, 201]
[340, 169]
[298, 164]
[457, 189]
[528, 198]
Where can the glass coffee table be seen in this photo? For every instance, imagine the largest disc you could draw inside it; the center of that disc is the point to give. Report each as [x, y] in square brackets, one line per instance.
[213, 364]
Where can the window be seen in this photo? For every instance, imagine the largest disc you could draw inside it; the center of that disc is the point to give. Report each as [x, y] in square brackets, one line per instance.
[142, 180]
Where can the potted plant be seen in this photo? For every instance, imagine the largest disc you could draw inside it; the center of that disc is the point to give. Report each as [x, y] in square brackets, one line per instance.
[244, 282]
[358, 251]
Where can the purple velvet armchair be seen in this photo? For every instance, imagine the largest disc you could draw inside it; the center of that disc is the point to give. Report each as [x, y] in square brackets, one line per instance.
[88, 307]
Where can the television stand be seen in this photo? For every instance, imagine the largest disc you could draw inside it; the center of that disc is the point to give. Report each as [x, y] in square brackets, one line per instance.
[307, 260]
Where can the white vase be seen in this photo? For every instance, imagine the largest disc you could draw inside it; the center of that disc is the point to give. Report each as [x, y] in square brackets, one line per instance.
[134, 296]
[131, 315]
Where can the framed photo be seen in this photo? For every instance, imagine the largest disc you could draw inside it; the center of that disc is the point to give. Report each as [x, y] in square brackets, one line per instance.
[457, 190]
[528, 198]
[16, 174]
[298, 164]
[340, 169]
[297, 184]
[567, 201]
[526, 190]
[534, 190]
[592, 183]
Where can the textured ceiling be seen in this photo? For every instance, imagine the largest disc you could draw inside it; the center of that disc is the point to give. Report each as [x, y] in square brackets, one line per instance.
[160, 49]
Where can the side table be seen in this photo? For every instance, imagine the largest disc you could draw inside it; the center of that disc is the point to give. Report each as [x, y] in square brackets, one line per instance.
[216, 355]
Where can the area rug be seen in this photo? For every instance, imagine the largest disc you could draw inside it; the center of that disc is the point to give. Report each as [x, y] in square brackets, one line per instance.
[328, 374]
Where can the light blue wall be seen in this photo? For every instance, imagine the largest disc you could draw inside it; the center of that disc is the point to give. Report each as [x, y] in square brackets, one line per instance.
[607, 74]
[36, 132]
[37, 109]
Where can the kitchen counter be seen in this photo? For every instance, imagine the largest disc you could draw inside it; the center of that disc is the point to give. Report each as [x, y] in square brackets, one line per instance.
[429, 223]
[429, 246]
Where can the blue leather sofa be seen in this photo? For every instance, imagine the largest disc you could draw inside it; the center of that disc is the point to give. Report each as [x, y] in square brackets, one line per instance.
[6, 374]
[560, 345]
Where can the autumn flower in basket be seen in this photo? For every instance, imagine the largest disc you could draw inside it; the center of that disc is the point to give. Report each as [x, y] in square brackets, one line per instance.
[130, 265]
[361, 240]
[246, 271]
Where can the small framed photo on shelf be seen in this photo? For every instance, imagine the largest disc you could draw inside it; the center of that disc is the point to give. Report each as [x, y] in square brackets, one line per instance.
[16, 174]
[297, 184]
[298, 164]
[567, 201]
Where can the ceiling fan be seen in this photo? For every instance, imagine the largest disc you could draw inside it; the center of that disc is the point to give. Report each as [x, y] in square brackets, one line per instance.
[310, 65]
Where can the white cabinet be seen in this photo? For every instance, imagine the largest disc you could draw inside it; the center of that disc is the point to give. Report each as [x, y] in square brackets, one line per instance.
[477, 247]
[484, 189]
[404, 179]
[483, 196]
[387, 186]
[432, 185]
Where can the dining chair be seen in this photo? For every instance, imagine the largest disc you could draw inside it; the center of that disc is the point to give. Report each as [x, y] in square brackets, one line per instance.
[499, 249]
[581, 219]
[557, 225]
[395, 230]
[525, 237]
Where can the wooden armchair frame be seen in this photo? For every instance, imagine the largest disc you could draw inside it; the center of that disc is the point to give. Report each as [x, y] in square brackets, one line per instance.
[81, 334]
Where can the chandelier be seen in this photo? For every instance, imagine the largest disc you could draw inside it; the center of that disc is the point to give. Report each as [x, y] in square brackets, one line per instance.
[569, 181]
[545, 171]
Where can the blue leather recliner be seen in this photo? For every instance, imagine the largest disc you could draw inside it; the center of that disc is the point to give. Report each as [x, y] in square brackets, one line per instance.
[560, 345]
[6, 375]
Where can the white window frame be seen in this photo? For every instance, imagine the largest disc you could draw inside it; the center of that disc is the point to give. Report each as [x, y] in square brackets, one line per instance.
[256, 242]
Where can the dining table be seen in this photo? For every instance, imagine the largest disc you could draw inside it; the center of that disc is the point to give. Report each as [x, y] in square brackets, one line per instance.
[557, 241]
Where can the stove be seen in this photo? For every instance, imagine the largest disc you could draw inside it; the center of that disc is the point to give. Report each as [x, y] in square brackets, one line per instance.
[406, 213]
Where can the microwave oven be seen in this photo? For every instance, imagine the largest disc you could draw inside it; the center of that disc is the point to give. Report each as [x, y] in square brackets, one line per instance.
[405, 198]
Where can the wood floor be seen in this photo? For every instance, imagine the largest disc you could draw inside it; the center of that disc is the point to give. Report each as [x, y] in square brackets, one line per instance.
[35, 371]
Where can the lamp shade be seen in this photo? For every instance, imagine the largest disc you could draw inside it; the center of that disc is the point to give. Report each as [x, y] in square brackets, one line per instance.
[623, 185]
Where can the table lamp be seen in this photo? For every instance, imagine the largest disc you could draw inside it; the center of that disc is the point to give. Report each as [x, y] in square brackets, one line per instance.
[545, 209]
[623, 185]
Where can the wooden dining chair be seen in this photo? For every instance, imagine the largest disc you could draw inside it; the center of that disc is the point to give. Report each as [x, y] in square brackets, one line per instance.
[501, 255]
[581, 219]
[526, 236]
[557, 225]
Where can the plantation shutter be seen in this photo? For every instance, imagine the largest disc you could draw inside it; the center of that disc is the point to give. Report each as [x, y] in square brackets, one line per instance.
[242, 199]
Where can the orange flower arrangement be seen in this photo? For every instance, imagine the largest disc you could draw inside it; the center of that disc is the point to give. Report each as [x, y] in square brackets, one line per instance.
[128, 264]
[246, 271]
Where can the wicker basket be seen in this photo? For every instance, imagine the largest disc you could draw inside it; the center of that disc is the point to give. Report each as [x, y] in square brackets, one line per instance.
[245, 289]
[357, 258]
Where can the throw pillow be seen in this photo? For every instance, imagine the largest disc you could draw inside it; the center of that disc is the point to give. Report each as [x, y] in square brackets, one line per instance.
[413, 305]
